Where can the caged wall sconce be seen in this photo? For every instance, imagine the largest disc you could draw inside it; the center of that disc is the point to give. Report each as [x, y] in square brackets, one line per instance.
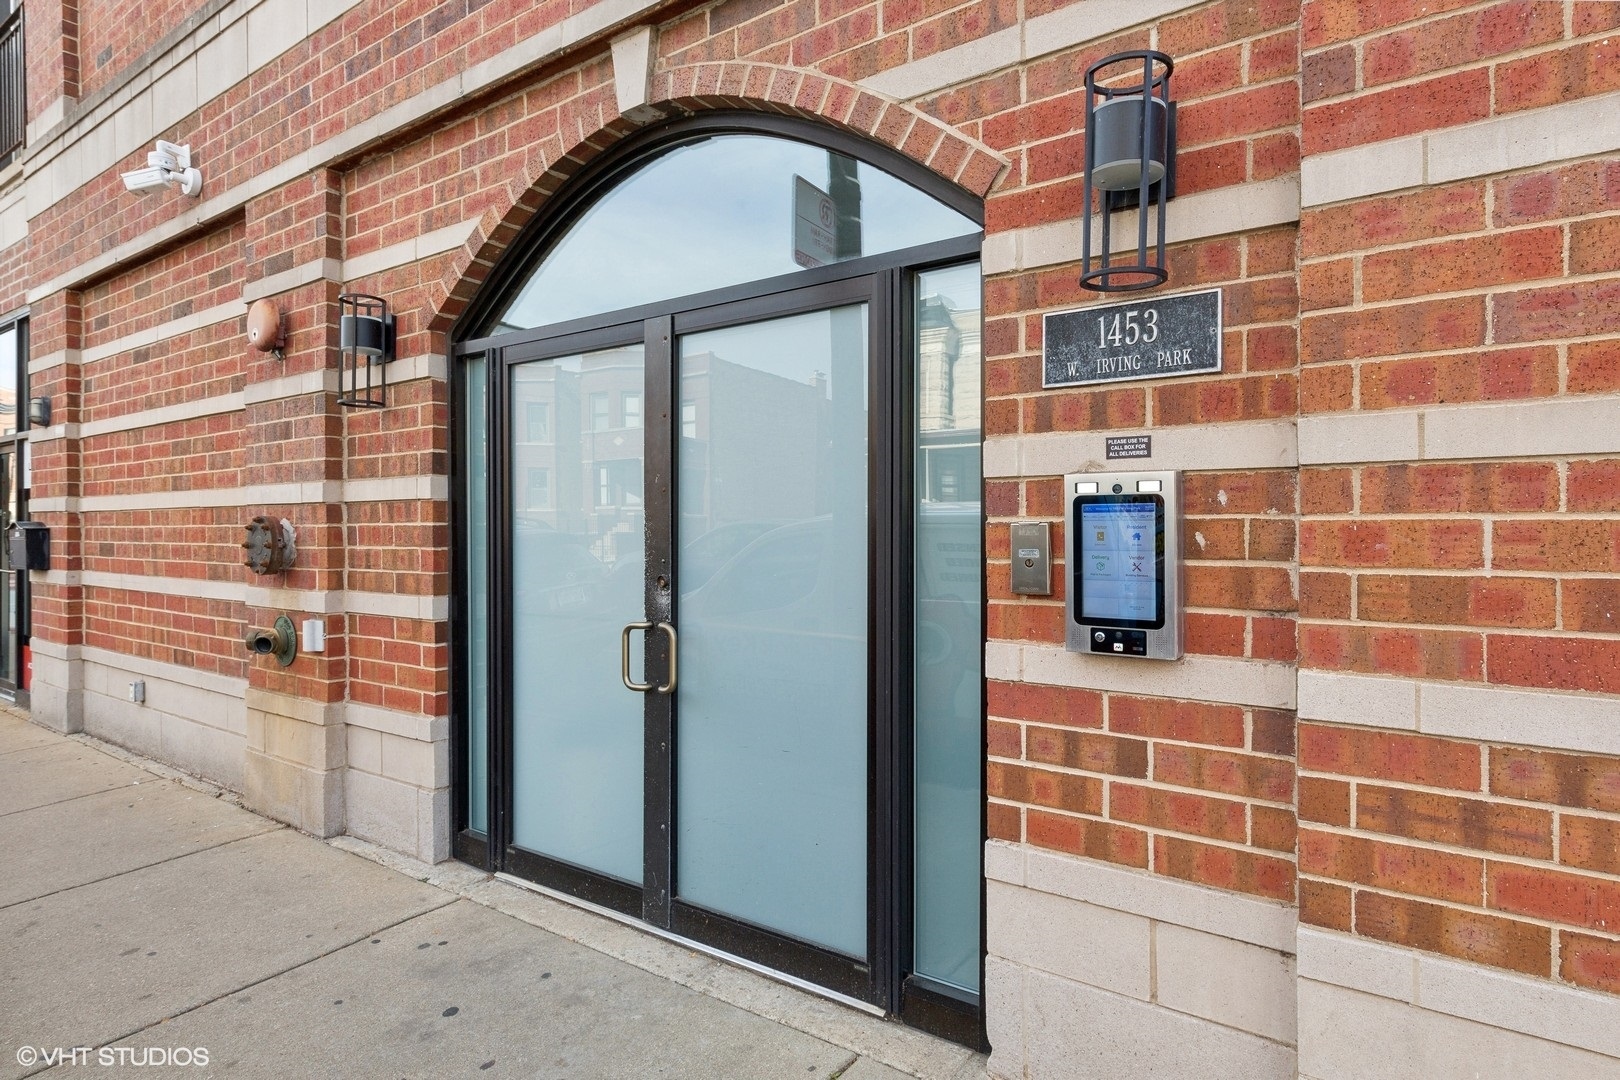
[1131, 160]
[365, 345]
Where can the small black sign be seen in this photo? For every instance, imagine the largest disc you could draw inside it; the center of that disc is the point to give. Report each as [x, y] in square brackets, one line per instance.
[1148, 339]
[1128, 446]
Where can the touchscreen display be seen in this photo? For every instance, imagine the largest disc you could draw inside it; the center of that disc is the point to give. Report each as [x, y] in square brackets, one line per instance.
[1119, 561]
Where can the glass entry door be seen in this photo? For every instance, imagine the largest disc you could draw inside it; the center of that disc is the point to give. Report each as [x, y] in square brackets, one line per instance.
[578, 554]
[735, 607]
[719, 542]
[771, 565]
[688, 573]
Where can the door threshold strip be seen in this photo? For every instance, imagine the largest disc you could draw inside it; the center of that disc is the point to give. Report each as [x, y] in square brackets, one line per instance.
[695, 946]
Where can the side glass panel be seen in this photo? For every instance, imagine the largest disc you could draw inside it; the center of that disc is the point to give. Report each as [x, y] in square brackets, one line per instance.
[578, 530]
[771, 751]
[475, 452]
[8, 618]
[9, 344]
[948, 644]
[721, 211]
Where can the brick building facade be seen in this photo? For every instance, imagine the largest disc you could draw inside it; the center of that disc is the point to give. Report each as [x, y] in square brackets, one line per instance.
[1369, 825]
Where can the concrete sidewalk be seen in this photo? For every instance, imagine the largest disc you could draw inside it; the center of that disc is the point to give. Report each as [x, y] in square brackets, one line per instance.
[144, 914]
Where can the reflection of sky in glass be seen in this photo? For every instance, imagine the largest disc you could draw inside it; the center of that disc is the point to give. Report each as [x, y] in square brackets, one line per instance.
[706, 215]
[795, 348]
[960, 287]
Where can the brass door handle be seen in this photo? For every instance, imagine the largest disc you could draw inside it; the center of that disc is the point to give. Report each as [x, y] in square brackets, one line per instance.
[624, 658]
[674, 659]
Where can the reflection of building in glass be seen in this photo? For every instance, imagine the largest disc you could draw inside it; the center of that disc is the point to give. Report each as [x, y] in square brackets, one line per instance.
[754, 446]
[577, 462]
[578, 454]
[948, 366]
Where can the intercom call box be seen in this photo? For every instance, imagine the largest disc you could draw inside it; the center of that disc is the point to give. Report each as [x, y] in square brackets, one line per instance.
[1123, 531]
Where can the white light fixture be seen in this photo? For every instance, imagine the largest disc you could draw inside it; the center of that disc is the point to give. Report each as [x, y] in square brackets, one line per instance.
[170, 163]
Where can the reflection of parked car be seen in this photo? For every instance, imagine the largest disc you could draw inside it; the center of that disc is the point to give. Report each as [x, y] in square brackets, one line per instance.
[770, 582]
[785, 566]
[784, 620]
[702, 557]
[552, 571]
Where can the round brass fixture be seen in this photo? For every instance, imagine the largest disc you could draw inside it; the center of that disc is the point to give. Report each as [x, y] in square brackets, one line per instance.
[280, 641]
[264, 330]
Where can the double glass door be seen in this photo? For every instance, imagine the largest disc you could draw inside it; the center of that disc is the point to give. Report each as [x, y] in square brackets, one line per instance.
[736, 655]
[720, 537]
[690, 602]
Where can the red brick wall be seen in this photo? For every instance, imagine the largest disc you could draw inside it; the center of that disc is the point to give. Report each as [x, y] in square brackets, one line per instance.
[50, 48]
[1485, 571]
[113, 34]
[13, 276]
[1216, 803]
[1192, 790]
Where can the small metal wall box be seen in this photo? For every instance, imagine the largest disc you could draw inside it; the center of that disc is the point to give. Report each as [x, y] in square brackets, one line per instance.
[1031, 558]
[270, 546]
[39, 412]
[29, 546]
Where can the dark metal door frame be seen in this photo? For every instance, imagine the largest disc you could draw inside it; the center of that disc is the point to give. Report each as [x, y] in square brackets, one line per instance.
[13, 621]
[655, 901]
[881, 978]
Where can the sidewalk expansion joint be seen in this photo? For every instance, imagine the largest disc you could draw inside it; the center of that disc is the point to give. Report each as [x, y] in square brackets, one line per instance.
[273, 975]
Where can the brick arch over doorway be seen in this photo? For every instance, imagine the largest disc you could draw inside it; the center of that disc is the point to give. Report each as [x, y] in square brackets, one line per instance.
[590, 123]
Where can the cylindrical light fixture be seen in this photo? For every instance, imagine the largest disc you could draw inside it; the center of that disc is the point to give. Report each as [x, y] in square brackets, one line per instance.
[365, 345]
[1118, 141]
[1130, 159]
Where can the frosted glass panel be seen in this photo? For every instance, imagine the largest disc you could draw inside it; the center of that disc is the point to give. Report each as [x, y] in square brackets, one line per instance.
[771, 774]
[475, 451]
[10, 345]
[578, 530]
[719, 212]
[949, 652]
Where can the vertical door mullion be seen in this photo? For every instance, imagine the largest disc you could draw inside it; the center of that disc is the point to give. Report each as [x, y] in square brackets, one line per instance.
[498, 475]
[887, 394]
[902, 630]
[661, 420]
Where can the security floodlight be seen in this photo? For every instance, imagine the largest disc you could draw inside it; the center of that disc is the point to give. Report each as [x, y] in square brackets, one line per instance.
[170, 163]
